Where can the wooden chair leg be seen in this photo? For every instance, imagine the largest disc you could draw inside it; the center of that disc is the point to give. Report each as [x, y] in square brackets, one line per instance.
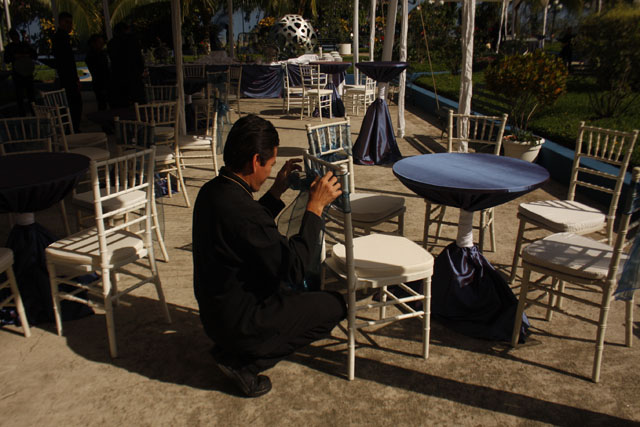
[17, 298]
[426, 321]
[602, 328]
[517, 251]
[629, 323]
[57, 312]
[524, 289]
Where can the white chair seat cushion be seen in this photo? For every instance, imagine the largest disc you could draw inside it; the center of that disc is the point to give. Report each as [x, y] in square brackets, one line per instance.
[6, 259]
[571, 254]
[199, 102]
[82, 248]
[295, 90]
[94, 153]
[164, 154]
[128, 199]
[193, 141]
[86, 138]
[164, 132]
[321, 92]
[381, 255]
[563, 215]
[371, 208]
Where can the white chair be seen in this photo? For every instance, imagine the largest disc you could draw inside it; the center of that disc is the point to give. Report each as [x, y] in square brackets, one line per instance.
[165, 117]
[54, 114]
[64, 129]
[314, 92]
[375, 261]
[332, 143]
[234, 85]
[292, 95]
[131, 136]
[111, 247]
[194, 148]
[605, 145]
[193, 71]
[217, 84]
[361, 95]
[13, 299]
[484, 136]
[590, 265]
[161, 93]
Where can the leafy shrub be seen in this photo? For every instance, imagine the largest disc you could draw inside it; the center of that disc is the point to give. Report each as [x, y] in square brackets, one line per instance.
[610, 44]
[527, 82]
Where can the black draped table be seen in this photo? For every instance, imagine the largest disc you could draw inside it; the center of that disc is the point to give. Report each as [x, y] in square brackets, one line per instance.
[376, 143]
[337, 70]
[468, 294]
[258, 81]
[30, 183]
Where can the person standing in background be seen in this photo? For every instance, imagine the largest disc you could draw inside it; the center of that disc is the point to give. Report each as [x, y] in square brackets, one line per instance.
[66, 67]
[98, 64]
[20, 54]
[127, 66]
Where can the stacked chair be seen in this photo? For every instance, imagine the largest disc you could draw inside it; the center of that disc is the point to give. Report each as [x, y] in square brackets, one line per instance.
[161, 93]
[292, 95]
[361, 96]
[165, 117]
[591, 266]
[314, 92]
[484, 136]
[120, 240]
[375, 261]
[64, 126]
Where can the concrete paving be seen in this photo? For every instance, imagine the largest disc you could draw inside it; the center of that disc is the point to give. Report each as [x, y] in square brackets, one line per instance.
[165, 376]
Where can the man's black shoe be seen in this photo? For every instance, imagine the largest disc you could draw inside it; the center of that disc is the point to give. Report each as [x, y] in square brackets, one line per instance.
[251, 384]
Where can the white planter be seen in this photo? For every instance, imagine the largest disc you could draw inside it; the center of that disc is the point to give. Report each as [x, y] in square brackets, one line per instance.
[344, 48]
[522, 151]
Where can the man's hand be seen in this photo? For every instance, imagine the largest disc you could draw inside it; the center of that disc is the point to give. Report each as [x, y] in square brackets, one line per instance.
[282, 179]
[322, 192]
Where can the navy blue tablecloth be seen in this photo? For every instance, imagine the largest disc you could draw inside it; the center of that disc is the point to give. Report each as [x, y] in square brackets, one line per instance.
[258, 81]
[30, 183]
[468, 294]
[376, 143]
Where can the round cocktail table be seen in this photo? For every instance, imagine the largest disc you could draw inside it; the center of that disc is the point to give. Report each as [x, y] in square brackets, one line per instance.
[29, 183]
[467, 292]
[376, 143]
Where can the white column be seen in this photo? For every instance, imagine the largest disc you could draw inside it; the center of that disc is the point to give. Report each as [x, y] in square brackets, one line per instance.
[403, 57]
[107, 19]
[231, 37]
[466, 84]
[176, 24]
[356, 40]
[372, 32]
[7, 14]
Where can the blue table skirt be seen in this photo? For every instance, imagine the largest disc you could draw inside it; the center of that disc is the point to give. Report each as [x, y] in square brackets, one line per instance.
[469, 296]
[28, 243]
[376, 143]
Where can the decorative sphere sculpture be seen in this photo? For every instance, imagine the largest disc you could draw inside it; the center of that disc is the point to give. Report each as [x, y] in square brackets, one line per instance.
[292, 31]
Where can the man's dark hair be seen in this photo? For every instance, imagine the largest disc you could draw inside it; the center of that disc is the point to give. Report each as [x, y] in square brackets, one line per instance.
[13, 33]
[249, 135]
[121, 28]
[65, 15]
[94, 38]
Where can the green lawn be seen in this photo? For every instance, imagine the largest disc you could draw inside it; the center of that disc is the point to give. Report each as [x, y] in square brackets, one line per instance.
[558, 122]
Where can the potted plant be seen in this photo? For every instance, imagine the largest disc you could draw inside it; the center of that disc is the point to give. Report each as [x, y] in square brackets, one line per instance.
[527, 82]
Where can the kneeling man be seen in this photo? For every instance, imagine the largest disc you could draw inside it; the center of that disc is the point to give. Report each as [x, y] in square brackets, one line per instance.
[244, 268]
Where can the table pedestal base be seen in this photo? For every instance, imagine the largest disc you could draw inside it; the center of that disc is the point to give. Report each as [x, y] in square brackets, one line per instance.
[470, 297]
[28, 243]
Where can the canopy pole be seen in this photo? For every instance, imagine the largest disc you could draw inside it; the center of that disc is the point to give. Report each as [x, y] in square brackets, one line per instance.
[107, 19]
[372, 28]
[230, 27]
[403, 57]
[176, 22]
[466, 83]
[356, 41]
